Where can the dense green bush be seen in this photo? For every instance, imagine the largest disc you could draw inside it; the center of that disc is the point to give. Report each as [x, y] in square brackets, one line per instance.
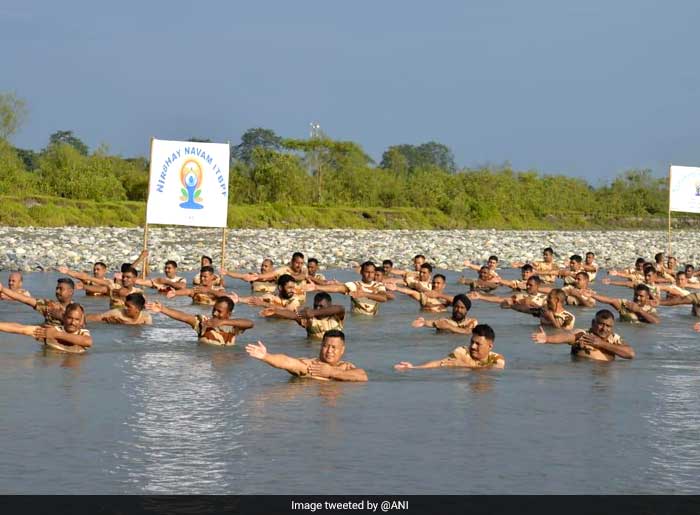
[323, 182]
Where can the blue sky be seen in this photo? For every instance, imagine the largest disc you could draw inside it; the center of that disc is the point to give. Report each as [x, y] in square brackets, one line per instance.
[587, 89]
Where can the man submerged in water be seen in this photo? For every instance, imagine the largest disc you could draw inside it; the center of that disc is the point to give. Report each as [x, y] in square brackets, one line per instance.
[206, 293]
[117, 292]
[69, 337]
[639, 309]
[286, 299]
[365, 295]
[15, 284]
[458, 323]
[324, 316]
[131, 314]
[219, 329]
[599, 343]
[428, 298]
[478, 354]
[328, 365]
[52, 310]
[546, 269]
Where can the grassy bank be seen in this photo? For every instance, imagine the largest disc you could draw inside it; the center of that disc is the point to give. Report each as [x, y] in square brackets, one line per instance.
[39, 211]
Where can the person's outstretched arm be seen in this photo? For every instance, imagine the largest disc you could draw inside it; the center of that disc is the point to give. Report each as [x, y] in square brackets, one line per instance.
[24, 299]
[175, 314]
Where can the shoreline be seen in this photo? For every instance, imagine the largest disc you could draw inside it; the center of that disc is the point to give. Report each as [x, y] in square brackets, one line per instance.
[35, 248]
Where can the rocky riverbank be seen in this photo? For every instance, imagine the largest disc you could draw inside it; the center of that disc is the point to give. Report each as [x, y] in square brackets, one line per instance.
[27, 248]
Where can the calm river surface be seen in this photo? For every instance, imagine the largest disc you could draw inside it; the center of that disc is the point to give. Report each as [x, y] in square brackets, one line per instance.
[149, 411]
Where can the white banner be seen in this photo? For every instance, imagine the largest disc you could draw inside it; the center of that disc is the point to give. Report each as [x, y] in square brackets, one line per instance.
[188, 184]
[684, 189]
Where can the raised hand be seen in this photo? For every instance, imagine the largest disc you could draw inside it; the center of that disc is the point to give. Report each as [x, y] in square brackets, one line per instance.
[154, 306]
[589, 339]
[257, 351]
[442, 323]
[418, 322]
[267, 312]
[319, 369]
[539, 336]
[43, 333]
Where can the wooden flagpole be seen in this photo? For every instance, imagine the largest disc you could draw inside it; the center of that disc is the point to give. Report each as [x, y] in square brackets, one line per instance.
[144, 270]
[669, 209]
[223, 233]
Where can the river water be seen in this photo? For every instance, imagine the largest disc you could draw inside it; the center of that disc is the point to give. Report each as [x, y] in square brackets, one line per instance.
[149, 411]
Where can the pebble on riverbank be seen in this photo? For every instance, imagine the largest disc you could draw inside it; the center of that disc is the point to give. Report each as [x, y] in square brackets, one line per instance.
[28, 249]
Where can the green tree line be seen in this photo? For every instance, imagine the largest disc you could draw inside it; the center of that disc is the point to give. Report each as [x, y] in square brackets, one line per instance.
[269, 169]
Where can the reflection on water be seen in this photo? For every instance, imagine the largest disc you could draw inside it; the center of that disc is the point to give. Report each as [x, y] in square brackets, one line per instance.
[148, 410]
[186, 423]
[675, 425]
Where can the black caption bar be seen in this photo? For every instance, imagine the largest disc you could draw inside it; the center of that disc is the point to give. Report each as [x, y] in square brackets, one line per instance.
[357, 504]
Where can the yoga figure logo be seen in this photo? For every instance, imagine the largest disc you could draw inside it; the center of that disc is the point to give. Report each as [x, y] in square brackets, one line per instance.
[191, 179]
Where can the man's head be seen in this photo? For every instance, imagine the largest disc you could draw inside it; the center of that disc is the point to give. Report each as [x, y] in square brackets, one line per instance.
[64, 290]
[590, 258]
[322, 300]
[426, 270]
[548, 254]
[367, 271]
[556, 299]
[222, 308]
[379, 275]
[438, 282]
[639, 264]
[206, 261]
[482, 342]
[266, 266]
[387, 265]
[689, 270]
[649, 274]
[533, 284]
[484, 273]
[492, 263]
[312, 266]
[14, 280]
[418, 260]
[297, 262]
[642, 295]
[170, 268]
[575, 262]
[603, 323]
[681, 279]
[526, 271]
[129, 277]
[286, 286]
[206, 275]
[134, 304]
[461, 304]
[582, 280]
[671, 263]
[659, 258]
[99, 270]
[332, 347]
[73, 318]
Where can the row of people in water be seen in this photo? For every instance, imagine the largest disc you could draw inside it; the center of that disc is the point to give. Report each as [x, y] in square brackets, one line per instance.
[64, 320]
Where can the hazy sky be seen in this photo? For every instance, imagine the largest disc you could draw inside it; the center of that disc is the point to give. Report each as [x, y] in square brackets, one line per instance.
[581, 88]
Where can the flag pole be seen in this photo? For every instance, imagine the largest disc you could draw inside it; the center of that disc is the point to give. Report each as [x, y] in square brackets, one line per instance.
[144, 270]
[223, 252]
[670, 171]
[223, 230]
